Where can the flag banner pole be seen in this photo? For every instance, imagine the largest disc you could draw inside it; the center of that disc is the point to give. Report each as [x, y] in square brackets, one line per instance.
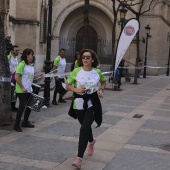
[128, 33]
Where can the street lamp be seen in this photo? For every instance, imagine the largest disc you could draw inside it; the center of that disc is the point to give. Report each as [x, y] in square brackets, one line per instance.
[147, 31]
[123, 12]
[48, 61]
[168, 39]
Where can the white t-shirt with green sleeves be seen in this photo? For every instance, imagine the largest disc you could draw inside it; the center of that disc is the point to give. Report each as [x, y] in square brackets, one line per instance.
[27, 75]
[60, 63]
[87, 79]
[13, 63]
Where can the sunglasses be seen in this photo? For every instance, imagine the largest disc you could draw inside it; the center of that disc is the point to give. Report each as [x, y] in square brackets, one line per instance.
[86, 57]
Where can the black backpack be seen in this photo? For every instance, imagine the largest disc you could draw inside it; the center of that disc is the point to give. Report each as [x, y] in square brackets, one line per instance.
[52, 64]
[72, 66]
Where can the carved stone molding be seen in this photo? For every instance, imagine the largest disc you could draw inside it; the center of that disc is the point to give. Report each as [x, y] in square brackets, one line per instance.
[21, 21]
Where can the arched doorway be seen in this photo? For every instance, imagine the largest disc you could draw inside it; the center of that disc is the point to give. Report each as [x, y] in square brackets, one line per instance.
[92, 39]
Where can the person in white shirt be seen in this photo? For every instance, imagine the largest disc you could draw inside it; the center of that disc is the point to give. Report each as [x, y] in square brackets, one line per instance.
[24, 78]
[13, 63]
[59, 67]
[86, 106]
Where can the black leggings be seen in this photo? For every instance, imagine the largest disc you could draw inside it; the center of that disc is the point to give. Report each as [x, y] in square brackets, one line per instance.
[57, 87]
[86, 118]
[23, 97]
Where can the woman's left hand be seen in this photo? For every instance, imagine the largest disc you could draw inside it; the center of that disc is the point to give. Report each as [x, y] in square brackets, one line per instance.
[40, 75]
[100, 93]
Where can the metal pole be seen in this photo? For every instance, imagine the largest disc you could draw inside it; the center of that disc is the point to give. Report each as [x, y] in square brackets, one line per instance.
[86, 24]
[115, 81]
[48, 54]
[168, 63]
[122, 24]
[146, 50]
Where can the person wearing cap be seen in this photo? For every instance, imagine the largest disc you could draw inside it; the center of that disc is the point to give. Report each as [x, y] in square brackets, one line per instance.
[8, 44]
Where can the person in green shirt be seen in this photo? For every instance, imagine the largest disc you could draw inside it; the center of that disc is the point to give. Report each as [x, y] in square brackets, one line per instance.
[75, 63]
[59, 67]
[86, 104]
[13, 63]
[24, 78]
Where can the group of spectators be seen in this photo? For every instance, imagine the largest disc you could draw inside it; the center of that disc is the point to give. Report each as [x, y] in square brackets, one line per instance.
[22, 74]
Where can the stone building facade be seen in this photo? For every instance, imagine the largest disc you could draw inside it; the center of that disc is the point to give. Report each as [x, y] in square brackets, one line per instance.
[26, 22]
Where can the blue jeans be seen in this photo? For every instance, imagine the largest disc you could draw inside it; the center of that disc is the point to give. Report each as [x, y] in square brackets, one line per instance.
[139, 72]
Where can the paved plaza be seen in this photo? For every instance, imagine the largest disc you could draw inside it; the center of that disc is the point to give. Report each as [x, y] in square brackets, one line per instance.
[125, 141]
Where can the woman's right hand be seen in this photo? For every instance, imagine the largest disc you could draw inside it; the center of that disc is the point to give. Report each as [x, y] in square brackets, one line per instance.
[24, 90]
[80, 90]
[57, 79]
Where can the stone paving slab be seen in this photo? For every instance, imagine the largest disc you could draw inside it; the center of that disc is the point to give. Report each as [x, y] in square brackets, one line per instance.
[167, 100]
[90, 165]
[69, 129]
[165, 113]
[4, 133]
[111, 119]
[118, 108]
[159, 118]
[8, 166]
[123, 142]
[149, 139]
[127, 102]
[133, 98]
[37, 148]
[128, 159]
[165, 106]
[141, 94]
[157, 125]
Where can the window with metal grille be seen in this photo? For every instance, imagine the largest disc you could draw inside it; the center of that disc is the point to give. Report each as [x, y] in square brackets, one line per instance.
[43, 22]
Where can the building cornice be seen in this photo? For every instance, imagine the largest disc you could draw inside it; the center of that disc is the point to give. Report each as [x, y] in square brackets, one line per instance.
[157, 16]
[21, 21]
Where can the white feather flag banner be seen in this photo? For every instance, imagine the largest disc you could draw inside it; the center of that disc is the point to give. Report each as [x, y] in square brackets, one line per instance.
[129, 31]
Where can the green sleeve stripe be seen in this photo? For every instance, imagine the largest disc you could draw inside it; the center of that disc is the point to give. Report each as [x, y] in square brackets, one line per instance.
[56, 61]
[74, 105]
[72, 77]
[9, 57]
[20, 67]
[102, 78]
[76, 64]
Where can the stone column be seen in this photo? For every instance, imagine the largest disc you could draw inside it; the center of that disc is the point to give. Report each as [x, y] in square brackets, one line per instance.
[4, 9]
[54, 48]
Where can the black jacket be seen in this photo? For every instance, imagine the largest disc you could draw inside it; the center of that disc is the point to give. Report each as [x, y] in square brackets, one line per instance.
[96, 106]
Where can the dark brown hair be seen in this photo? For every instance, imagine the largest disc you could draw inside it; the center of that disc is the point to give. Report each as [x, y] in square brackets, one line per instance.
[62, 49]
[93, 55]
[14, 46]
[25, 53]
